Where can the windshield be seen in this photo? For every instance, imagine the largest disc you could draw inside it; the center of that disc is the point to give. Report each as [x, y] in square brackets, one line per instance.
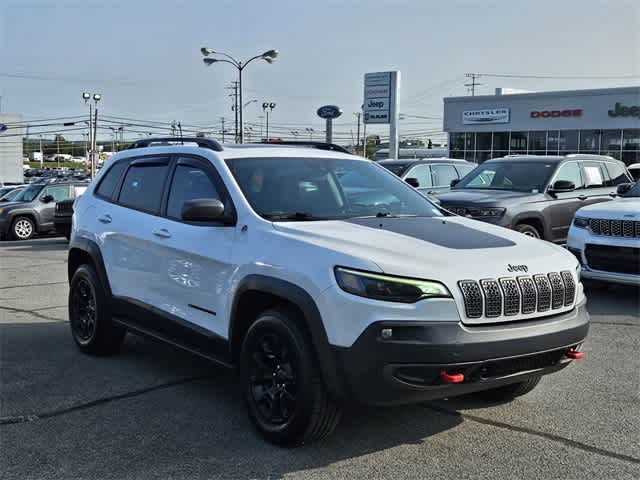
[321, 189]
[11, 195]
[516, 175]
[633, 192]
[28, 194]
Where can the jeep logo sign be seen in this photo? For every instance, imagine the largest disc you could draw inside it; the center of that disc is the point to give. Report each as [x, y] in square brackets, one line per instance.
[329, 111]
[517, 268]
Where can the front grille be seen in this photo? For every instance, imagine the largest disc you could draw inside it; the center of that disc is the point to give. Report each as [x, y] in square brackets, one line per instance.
[615, 228]
[544, 292]
[522, 295]
[492, 297]
[609, 258]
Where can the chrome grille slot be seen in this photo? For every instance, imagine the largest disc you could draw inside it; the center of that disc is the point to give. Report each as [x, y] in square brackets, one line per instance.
[616, 228]
[511, 296]
[492, 297]
[472, 298]
[557, 290]
[544, 292]
[569, 287]
[529, 294]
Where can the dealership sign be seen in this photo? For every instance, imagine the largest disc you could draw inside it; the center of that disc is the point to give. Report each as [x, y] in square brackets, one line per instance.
[329, 111]
[485, 116]
[625, 111]
[380, 92]
[576, 112]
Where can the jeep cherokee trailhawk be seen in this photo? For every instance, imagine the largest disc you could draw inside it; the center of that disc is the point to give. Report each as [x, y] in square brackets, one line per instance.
[320, 293]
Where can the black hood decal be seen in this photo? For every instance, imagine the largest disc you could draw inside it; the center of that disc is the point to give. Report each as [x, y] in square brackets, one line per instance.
[436, 230]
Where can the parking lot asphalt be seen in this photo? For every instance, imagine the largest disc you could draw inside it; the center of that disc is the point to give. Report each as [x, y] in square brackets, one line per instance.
[156, 412]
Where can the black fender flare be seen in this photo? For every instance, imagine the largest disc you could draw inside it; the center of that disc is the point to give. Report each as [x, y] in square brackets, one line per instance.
[300, 298]
[524, 216]
[90, 248]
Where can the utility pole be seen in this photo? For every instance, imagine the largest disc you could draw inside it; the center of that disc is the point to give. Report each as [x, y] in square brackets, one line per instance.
[358, 115]
[222, 122]
[58, 150]
[234, 87]
[474, 83]
[41, 152]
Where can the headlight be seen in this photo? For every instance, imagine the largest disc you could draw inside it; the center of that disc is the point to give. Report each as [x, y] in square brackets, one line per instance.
[486, 212]
[388, 288]
[581, 222]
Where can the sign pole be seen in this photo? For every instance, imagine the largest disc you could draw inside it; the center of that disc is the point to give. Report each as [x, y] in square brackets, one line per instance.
[329, 129]
[329, 112]
[394, 115]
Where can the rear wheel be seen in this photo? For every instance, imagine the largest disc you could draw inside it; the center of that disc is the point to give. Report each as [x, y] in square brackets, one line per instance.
[285, 396]
[23, 228]
[528, 230]
[509, 392]
[89, 316]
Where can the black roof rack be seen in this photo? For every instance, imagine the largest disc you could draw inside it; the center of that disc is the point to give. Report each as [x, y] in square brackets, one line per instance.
[302, 143]
[159, 141]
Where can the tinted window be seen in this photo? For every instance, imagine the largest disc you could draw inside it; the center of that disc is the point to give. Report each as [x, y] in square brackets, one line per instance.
[110, 180]
[518, 175]
[28, 194]
[422, 174]
[59, 192]
[617, 174]
[594, 174]
[142, 187]
[443, 174]
[189, 183]
[570, 172]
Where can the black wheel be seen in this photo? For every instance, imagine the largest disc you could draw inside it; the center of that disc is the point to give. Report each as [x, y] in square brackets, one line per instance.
[285, 396]
[509, 392]
[23, 228]
[528, 230]
[89, 316]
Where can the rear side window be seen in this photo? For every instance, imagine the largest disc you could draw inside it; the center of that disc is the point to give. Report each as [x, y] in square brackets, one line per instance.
[58, 192]
[189, 183]
[594, 174]
[110, 180]
[443, 174]
[143, 186]
[570, 172]
[422, 174]
[617, 175]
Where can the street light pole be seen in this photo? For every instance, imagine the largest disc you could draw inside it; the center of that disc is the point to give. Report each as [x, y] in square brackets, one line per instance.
[269, 56]
[270, 106]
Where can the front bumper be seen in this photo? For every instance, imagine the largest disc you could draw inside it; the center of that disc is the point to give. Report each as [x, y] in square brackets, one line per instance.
[406, 367]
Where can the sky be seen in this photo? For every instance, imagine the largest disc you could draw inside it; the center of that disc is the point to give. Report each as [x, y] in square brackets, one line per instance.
[143, 56]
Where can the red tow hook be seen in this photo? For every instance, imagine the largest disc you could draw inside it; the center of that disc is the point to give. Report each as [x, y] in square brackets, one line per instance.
[574, 354]
[451, 377]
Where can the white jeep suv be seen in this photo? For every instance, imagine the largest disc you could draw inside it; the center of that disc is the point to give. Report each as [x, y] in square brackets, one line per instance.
[320, 293]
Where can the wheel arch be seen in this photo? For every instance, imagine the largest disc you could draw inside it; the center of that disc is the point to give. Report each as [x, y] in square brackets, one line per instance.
[85, 251]
[257, 293]
[30, 214]
[535, 220]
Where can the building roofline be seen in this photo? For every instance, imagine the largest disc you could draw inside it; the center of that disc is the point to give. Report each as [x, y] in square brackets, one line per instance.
[554, 93]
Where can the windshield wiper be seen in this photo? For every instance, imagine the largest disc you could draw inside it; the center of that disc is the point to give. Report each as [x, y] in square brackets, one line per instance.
[297, 216]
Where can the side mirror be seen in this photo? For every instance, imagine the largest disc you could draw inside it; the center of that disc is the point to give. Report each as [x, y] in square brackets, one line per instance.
[47, 199]
[623, 188]
[413, 182]
[562, 186]
[203, 210]
[454, 182]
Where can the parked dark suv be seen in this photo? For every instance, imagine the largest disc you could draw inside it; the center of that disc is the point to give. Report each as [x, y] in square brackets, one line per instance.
[33, 209]
[429, 175]
[535, 195]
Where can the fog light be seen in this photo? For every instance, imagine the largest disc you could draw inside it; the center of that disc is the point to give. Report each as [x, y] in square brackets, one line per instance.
[386, 333]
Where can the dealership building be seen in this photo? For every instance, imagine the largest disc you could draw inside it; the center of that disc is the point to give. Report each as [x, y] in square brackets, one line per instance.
[11, 132]
[601, 121]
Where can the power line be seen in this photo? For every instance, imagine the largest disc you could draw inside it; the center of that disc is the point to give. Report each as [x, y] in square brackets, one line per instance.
[557, 77]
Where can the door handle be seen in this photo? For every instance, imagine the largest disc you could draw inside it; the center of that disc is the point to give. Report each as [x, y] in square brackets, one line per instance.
[582, 197]
[105, 218]
[162, 233]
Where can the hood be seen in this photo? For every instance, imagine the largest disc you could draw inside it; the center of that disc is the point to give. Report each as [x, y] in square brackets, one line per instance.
[482, 197]
[4, 205]
[447, 249]
[619, 209]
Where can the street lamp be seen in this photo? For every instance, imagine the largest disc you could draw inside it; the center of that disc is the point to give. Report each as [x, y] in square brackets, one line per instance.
[269, 56]
[310, 132]
[268, 107]
[93, 126]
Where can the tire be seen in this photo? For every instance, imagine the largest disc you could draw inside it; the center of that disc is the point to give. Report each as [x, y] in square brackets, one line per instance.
[90, 320]
[528, 230]
[281, 384]
[509, 392]
[23, 228]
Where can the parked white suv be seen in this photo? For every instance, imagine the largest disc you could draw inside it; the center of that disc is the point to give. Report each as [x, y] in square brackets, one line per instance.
[606, 238]
[258, 257]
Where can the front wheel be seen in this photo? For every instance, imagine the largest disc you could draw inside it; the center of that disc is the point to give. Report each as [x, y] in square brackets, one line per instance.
[509, 392]
[23, 228]
[281, 385]
[528, 230]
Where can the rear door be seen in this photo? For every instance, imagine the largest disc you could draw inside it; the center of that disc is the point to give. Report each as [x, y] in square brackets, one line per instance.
[47, 210]
[422, 174]
[564, 205]
[442, 175]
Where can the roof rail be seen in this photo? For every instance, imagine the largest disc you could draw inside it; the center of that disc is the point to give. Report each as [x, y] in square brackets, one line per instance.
[590, 155]
[302, 143]
[160, 141]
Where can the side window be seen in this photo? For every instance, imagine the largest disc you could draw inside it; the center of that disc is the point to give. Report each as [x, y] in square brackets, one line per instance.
[110, 180]
[463, 169]
[570, 172]
[617, 174]
[142, 187]
[59, 192]
[189, 183]
[594, 174]
[443, 174]
[422, 174]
